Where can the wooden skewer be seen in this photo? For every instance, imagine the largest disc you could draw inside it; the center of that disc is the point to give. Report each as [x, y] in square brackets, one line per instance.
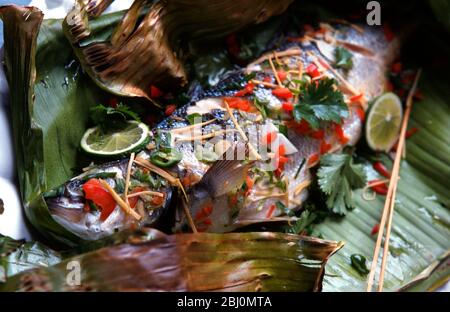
[388, 208]
[409, 102]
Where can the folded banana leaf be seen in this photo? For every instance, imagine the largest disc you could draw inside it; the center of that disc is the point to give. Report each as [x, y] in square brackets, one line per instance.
[144, 52]
[50, 107]
[191, 262]
[17, 256]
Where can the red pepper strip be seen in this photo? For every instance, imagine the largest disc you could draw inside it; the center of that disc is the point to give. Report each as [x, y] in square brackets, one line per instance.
[267, 79]
[324, 147]
[155, 92]
[238, 103]
[381, 169]
[248, 89]
[278, 172]
[283, 93]
[233, 45]
[113, 102]
[389, 87]
[318, 134]
[361, 114]
[396, 67]
[411, 132]
[312, 70]
[86, 207]
[375, 229]
[269, 137]
[388, 33]
[233, 200]
[408, 134]
[249, 183]
[356, 98]
[281, 150]
[207, 222]
[282, 75]
[340, 134]
[156, 200]
[270, 212]
[379, 188]
[133, 200]
[419, 95]
[94, 191]
[207, 210]
[170, 109]
[313, 159]
[287, 106]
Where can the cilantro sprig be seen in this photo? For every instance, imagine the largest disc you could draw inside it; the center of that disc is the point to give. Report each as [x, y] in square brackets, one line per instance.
[338, 176]
[343, 58]
[320, 102]
[109, 117]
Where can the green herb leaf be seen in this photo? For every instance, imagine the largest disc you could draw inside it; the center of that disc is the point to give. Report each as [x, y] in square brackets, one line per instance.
[338, 175]
[194, 118]
[109, 117]
[261, 106]
[343, 58]
[320, 102]
[359, 264]
[306, 219]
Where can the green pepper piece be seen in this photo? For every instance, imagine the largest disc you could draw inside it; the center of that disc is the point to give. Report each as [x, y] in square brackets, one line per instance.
[166, 158]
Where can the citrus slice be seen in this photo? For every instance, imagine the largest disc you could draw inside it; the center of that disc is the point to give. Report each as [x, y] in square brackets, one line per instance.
[383, 122]
[131, 137]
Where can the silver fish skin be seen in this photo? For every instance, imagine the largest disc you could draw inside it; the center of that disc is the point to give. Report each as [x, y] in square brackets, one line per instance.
[209, 185]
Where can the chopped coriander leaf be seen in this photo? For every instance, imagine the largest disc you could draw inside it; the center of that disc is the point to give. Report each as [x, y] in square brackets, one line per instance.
[261, 106]
[343, 58]
[194, 118]
[338, 175]
[320, 102]
[305, 220]
[358, 262]
[110, 116]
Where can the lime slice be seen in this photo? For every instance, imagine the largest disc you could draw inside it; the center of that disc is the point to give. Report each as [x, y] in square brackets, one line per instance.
[383, 122]
[129, 138]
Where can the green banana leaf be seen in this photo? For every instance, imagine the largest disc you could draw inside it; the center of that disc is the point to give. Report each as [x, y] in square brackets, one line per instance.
[51, 112]
[191, 262]
[17, 256]
[421, 225]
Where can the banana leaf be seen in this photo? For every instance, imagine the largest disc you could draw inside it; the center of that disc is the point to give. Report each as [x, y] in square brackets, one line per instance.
[50, 103]
[191, 262]
[17, 256]
[421, 225]
[144, 52]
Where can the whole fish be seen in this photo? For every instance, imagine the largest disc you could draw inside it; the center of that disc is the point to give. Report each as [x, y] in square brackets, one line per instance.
[245, 153]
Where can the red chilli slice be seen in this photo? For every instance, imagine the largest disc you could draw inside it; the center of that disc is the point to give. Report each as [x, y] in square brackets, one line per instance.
[283, 93]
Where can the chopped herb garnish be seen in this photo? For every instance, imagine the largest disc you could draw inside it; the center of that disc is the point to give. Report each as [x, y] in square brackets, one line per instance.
[320, 102]
[120, 186]
[109, 117]
[358, 262]
[305, 220]
[261, 106]
[282, 129]
[338, 175]
[343, 58]
[282, 208]
[194, 118]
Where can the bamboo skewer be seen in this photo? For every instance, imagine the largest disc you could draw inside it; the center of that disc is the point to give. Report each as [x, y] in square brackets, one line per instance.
[388, 209]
